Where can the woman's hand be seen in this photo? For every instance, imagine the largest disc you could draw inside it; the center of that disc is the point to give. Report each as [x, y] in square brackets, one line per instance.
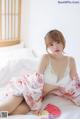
[36, 112]
[75, 77]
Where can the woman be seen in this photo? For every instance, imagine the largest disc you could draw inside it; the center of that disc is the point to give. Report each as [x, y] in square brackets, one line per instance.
[57, 70]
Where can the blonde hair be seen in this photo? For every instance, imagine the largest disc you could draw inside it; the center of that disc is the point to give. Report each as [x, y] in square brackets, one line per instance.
[54, 35]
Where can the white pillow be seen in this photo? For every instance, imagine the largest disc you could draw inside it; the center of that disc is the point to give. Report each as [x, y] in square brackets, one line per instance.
[17, 68]
[13, 61]
[15, 54]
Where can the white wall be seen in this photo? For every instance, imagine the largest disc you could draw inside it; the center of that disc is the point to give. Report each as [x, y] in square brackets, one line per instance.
[44, 15]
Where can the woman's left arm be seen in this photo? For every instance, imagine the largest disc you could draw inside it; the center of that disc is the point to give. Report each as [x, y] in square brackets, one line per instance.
[73, 70]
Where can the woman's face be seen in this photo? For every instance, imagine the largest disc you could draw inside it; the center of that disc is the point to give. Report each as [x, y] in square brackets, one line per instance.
[55, 48]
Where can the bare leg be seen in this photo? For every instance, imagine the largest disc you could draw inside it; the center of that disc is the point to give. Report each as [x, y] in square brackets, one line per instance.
[10, 103]
[23, 108]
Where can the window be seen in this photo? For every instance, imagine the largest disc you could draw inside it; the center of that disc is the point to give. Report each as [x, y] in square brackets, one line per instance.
[10, 22]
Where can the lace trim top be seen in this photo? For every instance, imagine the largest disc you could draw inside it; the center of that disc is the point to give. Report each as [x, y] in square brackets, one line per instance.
[51, 78]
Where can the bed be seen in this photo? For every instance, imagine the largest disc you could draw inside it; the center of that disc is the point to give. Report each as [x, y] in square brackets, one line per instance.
[14, 63]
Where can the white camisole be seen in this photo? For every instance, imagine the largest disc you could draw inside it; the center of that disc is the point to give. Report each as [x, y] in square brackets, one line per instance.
[51, 78]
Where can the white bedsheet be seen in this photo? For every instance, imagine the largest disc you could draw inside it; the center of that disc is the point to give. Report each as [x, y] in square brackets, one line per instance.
[68, 109]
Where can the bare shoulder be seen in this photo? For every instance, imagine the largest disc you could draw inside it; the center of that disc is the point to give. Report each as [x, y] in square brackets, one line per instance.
[45, 57]
[43, 63]
[69, 57]
[72, 63]
[72, 60]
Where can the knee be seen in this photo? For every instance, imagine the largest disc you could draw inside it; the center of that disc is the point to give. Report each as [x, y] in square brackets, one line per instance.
[10, 103]
[5, 108]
